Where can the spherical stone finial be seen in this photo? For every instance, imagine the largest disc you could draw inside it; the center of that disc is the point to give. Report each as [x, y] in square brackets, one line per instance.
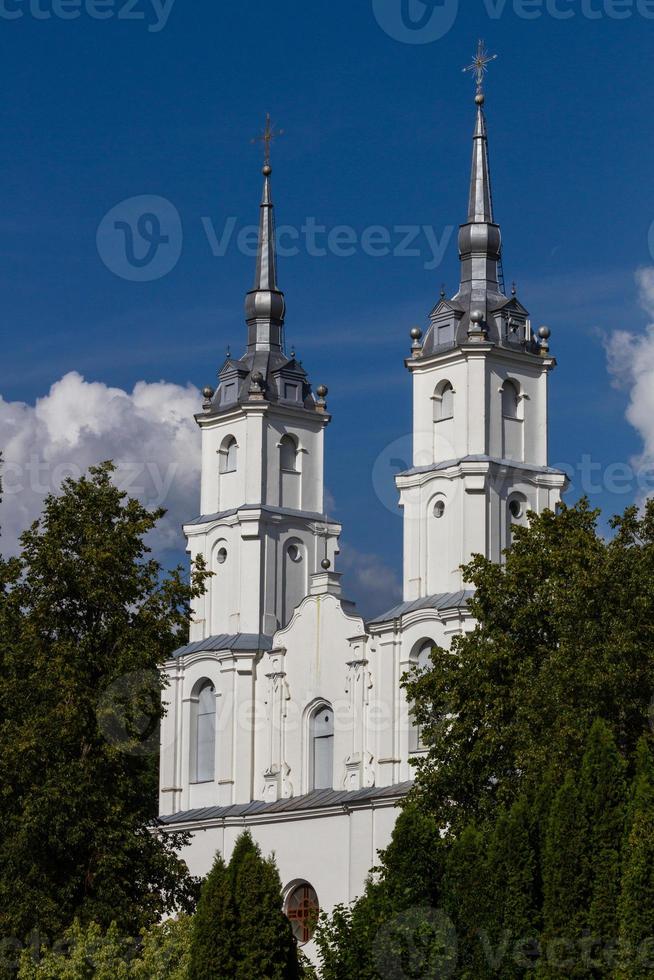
[480, 98]
[207, 393]
[267, 170]
[544, 333]
[477, 316]
[416, 333]
[322, 391]
[326, 564]
[257, 377]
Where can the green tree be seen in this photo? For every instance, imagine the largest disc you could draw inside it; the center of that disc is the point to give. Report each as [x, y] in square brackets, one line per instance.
[213, 946]
[566, 884]
[602, 795]
[564, 635]
[513, 912]
[263, 936]
[161, 953]
[467, 900]
[85, 618]
[636, 905]
[240, 930]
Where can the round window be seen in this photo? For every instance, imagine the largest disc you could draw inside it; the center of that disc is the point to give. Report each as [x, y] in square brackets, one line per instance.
[302, 909]
[515, 508]
[222, 556]
[295, 553]
[439, 509]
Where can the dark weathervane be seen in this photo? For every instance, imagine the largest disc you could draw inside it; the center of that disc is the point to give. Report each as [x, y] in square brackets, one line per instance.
[480, 65]
[267, 137]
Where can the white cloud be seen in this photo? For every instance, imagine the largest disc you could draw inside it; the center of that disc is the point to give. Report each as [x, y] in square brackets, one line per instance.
[631, 363]
[369, 581]
[150, 434]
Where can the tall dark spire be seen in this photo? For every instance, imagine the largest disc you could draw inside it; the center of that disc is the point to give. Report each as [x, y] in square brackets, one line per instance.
[264, 304]
[480, 207]
[480, 239]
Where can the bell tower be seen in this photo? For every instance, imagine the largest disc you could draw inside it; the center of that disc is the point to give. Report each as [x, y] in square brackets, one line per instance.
[480, 411]
[262, 530]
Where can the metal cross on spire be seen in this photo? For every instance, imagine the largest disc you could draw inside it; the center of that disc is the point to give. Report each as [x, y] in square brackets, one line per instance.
[267, 136]
[480, 65]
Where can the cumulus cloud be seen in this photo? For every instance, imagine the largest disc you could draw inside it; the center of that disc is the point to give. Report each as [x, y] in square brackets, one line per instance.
[149, 433]
[369, 581]
[631, 363]
[151, 436]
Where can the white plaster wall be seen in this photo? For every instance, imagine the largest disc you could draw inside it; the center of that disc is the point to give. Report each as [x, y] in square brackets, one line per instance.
[222, 494]
[334, 852]
[315, 665]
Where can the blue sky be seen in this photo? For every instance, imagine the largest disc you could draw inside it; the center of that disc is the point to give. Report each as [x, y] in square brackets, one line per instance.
[377, 133]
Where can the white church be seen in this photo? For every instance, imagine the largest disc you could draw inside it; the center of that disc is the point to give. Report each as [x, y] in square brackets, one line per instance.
[285, 714]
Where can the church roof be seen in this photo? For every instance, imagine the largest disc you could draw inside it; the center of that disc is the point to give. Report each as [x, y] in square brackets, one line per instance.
[266, 508]
[226, 641]
[318, 800]
[441, 602]
[509, 463]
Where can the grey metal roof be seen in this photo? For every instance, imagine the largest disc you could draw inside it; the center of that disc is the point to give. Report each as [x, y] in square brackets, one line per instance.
[441, 602]
[277, 511]
[512, 463]
[318, 800]
[227, 641]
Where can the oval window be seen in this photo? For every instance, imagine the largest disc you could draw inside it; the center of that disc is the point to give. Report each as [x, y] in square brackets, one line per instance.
[303, 909]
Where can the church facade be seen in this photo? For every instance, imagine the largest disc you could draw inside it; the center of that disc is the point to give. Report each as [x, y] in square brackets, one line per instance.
[285, 713]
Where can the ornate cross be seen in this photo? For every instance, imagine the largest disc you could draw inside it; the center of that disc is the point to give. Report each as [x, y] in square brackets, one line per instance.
[480, 65]
[268, 135]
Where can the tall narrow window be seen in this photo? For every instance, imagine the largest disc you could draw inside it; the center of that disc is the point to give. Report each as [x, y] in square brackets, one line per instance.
[322, 748]
[512, 424]
[510, 400]
[203, 735]
[444, 402]
[229, 455]
[421, 661]
[288, 454]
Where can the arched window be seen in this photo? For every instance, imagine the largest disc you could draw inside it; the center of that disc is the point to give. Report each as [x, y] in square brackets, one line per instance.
[303, 909]
[229, 455]
[444, 402]
[203, 734]
[321, 743]
[288, 454]
[421, 660]
[510, 400]
[512, 423]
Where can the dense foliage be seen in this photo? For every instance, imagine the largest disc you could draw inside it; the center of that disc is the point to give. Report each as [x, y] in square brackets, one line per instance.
[527, 846]
[240, 930]
[86, 616]
[159, 953]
